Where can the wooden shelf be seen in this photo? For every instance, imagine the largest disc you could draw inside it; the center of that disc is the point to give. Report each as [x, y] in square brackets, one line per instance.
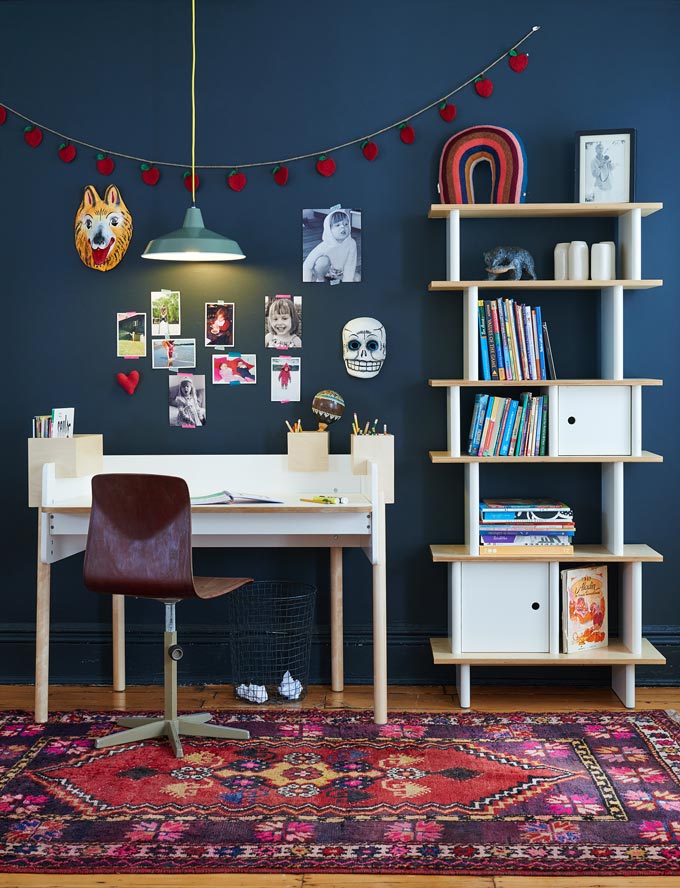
[595, 552]
[542, 210]
[442, 456]
[438, 286]
[615, 654]
[513, 383]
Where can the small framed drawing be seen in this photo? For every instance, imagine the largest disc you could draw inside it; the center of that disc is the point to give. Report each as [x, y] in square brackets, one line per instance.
[605, 166]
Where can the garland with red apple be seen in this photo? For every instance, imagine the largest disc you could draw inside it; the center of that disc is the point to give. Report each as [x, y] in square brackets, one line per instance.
[236, 179]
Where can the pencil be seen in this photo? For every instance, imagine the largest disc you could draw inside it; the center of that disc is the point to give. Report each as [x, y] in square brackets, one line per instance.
[290, 427]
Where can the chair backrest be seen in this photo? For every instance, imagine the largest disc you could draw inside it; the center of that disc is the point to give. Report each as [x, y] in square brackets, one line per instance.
[139, 538]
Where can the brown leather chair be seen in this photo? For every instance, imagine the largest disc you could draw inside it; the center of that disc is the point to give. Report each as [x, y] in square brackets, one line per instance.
[139, 544]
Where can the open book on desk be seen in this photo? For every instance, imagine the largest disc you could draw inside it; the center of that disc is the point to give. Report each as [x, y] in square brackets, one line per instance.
[226, 497]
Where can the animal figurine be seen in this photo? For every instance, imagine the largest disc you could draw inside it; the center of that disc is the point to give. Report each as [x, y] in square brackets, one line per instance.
[103, 228]
[504, 259]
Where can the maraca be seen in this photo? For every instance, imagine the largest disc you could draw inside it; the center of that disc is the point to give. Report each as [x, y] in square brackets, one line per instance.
[328, 406]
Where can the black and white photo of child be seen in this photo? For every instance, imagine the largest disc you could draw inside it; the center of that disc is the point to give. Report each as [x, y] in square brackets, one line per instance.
[331, 246]
[283, 321]
[219, 323]
[186, 399]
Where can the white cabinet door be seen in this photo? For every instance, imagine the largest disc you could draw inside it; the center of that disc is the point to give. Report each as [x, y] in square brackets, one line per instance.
[594, 420]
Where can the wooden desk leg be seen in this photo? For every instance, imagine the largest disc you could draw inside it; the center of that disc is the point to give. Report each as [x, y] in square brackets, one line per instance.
[118, 624]
[42, 633]
[337, 663]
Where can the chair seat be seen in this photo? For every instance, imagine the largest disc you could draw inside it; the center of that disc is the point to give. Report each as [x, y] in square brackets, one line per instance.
[213, 587]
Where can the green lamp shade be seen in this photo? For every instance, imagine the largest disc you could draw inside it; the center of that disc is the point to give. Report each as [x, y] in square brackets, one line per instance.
[193, 242]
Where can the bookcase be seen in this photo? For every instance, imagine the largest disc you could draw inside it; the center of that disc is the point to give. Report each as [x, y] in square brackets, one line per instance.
[507, 611]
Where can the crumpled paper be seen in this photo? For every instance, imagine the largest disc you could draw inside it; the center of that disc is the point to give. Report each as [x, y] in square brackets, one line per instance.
[253, 693]
[290, 687]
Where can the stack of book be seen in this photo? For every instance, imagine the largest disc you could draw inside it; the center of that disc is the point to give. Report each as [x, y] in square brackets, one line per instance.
[525, 527]
[57, 424]
[504, 427]
[514, 341]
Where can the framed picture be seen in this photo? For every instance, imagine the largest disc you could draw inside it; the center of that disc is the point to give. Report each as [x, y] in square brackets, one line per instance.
[605, 166]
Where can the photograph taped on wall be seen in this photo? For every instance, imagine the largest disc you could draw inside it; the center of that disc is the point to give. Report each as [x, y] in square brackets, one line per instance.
[605, 166]
[165, 313]
[219, 323]
[234, 369]
[178, 354]
[283, 321]
[331, 245]
[186, 400]
[286, 372]
[131, 334]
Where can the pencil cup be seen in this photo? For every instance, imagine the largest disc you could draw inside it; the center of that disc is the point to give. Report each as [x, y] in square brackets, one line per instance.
[73, 457]
[308, 451]
[378, 449]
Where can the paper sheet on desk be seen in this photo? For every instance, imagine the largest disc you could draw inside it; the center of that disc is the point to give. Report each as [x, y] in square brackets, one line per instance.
[225, 497]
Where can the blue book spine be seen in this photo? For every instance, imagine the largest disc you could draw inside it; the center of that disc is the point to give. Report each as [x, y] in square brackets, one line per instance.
[479, 422]
[504, 340]
[509, 425]
[475, 414]
[539, 337]
[483, 342]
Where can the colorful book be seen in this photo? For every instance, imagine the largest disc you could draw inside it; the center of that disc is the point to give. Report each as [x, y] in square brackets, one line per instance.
[509, 374]
[584, 608]
[479, 424]
[529, 528]
[519, 320]
[525, 425]
[550, 363]
[524, 539]
[545, 551]
[541, 347]
[483, 344]
[62, 422]
[542, 449]
[510, 312]
[504, 449]
[492, 431]
[486, 430]
[495, 443]
[512, 450]
[537, 432]
[493, 358]
[542, 509]
[497, 339]
[528, 332]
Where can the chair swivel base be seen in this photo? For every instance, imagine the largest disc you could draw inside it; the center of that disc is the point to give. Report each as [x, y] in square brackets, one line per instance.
[140, 728]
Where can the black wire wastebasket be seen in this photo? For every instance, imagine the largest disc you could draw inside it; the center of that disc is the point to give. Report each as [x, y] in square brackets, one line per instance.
[270, 634]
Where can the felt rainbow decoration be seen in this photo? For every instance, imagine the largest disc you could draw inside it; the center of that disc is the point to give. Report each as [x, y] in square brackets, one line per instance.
[500, 148]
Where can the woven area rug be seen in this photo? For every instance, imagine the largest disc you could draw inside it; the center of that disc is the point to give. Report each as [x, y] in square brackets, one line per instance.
[580, 793]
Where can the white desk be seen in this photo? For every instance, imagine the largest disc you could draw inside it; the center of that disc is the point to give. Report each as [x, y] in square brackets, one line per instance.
[65, 511]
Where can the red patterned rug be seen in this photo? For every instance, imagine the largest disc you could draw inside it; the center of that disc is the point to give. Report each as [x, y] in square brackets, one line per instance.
[580, 793]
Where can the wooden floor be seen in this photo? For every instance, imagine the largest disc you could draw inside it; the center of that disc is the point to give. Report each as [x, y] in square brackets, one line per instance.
[432, 699]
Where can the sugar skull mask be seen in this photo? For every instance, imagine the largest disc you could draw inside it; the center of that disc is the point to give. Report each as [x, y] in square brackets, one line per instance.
[364, 347]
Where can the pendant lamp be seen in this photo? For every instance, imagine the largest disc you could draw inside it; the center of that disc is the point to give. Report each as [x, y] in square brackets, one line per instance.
[193, 242]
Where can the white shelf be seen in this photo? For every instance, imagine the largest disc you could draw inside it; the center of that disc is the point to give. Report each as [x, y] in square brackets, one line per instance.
[595, 552]
[442, 456]
[438, 286]
[615, 654]
[542, 210]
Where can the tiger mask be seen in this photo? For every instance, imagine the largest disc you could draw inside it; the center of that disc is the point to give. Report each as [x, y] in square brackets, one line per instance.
[103, 228]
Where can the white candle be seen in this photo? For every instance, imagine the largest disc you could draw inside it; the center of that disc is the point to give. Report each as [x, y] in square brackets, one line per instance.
[601, 262]
[562, 262]
[578, 261]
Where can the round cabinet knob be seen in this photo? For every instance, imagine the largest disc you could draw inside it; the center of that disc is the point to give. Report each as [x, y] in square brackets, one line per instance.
[175, 652]
[571, 420]
[535, 605]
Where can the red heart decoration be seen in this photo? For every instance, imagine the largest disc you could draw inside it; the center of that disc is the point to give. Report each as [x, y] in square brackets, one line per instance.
[370, 150]
[128, 381]
[407, 134]
[236, 181]
[280, 174]
[519, 62]
[484, 87]
[3, 115]
[447, 111]
[187, 181]
[32, 136]
[67, 152]
[325, 166]
[105, 164]
[150, 174]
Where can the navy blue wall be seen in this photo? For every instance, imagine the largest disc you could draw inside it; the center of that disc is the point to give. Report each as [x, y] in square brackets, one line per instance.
[277, 80]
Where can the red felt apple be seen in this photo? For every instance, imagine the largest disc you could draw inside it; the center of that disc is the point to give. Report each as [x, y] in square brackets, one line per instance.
[236, 181]
[128, 381]
[280, 174]
[447, 111]
[518, 60]
[3, 115]
[369, 149]
[407, 134]
[105, 164]
[150, 174]
[187, 181]
[325, 166]
[67, 152]
[32, 136]
[484, 87]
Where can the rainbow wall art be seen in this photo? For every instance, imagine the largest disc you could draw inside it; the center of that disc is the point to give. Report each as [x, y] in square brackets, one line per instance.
[500, 148]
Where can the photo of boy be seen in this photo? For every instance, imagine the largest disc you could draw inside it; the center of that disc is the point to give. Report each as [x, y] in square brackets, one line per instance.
[283, 321]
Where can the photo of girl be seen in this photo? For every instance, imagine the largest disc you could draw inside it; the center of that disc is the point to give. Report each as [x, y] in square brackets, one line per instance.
[165, 313]
[234, 369]
[286, 373]
[187, 401]
[331, 250]
[219, 323]
[283, 321]
[180, 354]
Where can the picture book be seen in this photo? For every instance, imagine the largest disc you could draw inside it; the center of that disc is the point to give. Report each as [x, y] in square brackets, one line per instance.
[503, 551]
[226, 497]
[525, 539]
[62, 422]
[584, 608]
[542, 510]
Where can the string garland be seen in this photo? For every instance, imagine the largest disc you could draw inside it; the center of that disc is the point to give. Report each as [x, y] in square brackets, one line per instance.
[482, 84]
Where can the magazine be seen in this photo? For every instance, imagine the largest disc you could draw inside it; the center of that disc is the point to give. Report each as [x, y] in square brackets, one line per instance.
[226, 497]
